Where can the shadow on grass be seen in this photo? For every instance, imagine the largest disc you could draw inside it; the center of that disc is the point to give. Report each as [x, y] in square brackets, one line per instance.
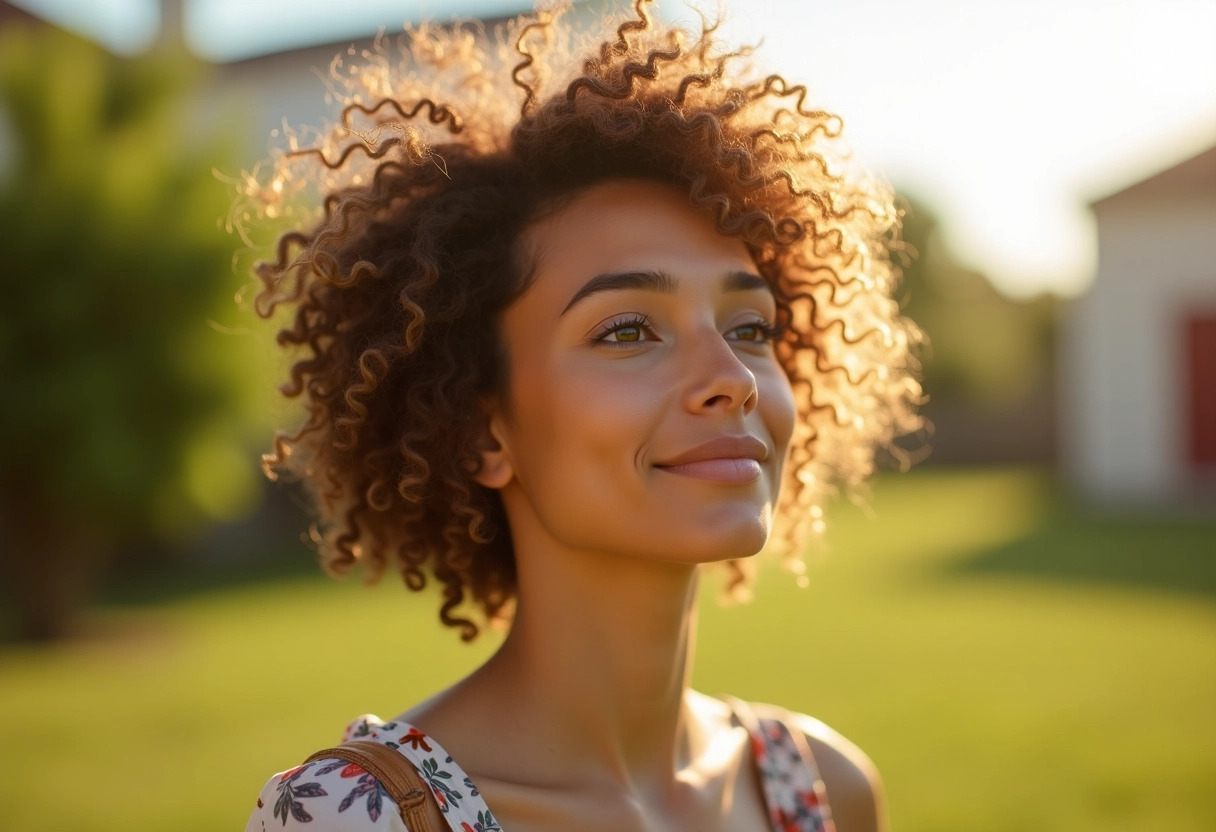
[1074, 546]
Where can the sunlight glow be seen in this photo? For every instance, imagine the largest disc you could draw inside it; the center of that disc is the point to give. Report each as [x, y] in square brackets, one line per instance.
[1007, 119]
[124, 26]
[229, 30]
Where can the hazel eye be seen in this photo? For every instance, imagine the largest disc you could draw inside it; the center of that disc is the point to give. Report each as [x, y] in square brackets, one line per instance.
[624, 334]
[633, 330]
[755, 332]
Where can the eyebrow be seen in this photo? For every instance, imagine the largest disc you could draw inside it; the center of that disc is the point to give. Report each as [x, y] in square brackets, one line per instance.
[656, 281]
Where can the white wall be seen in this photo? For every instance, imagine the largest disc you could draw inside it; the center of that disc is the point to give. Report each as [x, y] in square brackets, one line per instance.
[1123, 424]
[260, 94]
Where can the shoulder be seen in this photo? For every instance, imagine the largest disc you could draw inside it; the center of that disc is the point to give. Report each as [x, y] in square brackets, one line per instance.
[325, 796]
[851, 780]
[328, 795]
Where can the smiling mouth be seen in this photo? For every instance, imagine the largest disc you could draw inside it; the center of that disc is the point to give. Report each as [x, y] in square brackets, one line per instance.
[734, 470]
[732, 460]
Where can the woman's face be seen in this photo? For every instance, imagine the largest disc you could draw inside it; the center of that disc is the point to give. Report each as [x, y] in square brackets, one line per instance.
[645, 411]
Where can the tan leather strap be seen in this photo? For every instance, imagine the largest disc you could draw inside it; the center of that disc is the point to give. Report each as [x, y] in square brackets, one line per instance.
[392, 770]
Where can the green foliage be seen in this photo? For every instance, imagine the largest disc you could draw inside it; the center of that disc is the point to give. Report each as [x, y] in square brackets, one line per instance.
[126, 392]
[983, 346]
[994, 692]
[115, 274]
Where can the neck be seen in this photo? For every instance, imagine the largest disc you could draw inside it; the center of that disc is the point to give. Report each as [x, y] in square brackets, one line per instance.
[597, 663]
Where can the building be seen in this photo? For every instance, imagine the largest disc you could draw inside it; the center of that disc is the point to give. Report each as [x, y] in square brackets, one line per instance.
[265, 93]
[1138, 350]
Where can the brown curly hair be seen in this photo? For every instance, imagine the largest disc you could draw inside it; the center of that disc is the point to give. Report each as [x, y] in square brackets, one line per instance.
[426, 181]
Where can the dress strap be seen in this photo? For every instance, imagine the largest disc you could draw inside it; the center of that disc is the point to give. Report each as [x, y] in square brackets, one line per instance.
[794, 793]
[744, 714]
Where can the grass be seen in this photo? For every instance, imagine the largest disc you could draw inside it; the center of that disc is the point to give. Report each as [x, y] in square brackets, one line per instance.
[1008, 661]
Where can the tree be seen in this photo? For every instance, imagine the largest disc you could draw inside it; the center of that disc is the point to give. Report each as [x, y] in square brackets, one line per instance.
[121, 395]
[988, 362]
[983, 347]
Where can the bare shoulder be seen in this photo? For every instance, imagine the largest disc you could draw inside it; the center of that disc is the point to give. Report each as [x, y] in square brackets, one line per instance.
[853, 784]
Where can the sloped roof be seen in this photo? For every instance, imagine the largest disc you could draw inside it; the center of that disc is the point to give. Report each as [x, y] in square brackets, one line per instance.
[1195, 176]
[172, 16]
[10, 13]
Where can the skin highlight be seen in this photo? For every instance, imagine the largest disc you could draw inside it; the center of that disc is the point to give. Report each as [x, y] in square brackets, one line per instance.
[588, 417]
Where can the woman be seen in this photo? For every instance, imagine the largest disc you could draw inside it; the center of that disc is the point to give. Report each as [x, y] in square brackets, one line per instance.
[587, 329]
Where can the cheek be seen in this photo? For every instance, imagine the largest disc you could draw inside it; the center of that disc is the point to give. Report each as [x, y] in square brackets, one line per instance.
[573, 423]
[779, 410]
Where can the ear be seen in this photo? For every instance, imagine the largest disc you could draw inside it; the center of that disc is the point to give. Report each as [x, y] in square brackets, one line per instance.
[496, 469]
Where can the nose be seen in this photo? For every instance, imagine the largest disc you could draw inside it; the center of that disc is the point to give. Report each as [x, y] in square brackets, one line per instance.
[718, 380]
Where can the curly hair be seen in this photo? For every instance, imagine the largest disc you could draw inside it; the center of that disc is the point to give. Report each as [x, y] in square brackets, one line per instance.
[425, 183]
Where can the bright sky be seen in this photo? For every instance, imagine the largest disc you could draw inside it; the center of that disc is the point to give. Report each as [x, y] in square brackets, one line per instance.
[1006, 117]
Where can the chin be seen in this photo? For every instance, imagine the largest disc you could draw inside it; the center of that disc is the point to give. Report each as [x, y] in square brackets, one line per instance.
[718, 541]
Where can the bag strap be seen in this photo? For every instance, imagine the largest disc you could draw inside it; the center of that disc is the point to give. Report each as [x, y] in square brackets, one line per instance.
[392, 770]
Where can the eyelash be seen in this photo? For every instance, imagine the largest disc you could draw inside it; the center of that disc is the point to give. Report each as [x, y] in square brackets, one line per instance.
[640, 322]
[768, 332]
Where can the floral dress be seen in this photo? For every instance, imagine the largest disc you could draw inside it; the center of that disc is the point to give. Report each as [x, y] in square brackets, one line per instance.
[337, 796]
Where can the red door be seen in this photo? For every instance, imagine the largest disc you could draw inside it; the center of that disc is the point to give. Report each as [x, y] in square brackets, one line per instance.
[1201, 390]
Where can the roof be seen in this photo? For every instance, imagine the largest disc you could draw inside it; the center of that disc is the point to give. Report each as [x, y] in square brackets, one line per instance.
[172, 22]
[1195, 176]
[10, 13]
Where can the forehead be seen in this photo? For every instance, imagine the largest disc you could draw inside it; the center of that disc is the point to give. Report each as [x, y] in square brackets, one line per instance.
[628, 225]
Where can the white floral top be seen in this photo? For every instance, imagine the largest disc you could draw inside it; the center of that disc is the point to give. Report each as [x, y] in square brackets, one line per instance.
[337, 796]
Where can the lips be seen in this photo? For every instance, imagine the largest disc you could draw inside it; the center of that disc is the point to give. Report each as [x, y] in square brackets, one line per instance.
[729, 459]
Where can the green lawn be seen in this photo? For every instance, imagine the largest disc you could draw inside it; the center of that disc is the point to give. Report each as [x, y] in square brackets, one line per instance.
[1010, 663]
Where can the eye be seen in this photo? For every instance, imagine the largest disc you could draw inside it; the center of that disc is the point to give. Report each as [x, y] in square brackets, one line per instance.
[632, 330]
[755, 332]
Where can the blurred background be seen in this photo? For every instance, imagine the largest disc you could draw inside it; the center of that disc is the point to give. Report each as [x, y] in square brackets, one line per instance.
[1020, 631]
